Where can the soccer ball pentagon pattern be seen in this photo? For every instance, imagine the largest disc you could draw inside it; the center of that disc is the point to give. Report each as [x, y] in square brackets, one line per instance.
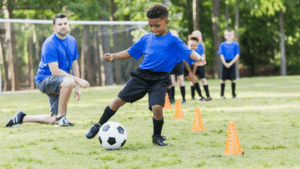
[112, 135]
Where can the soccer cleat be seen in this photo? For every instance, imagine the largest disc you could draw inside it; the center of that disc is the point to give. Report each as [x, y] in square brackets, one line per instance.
[234, 96]
[17, 119]
[183, 101]
[200, 99]
[159, 140]
[93, 131]
[208, 99]
[64, 122]
[223, 97]
[192, 98]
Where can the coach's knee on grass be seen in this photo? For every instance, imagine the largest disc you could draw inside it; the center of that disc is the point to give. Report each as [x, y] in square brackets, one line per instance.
[68, 83]
[157, 112]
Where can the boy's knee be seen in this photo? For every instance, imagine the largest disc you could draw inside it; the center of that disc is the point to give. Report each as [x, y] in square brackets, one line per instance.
[116, 104]
[157, 112]
[52, 120]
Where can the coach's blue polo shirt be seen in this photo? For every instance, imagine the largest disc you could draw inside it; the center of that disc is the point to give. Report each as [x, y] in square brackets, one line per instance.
[229, 50]
[160, 53]
[57, 50]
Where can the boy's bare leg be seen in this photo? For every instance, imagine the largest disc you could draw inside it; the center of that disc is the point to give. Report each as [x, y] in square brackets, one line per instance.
[116, 104]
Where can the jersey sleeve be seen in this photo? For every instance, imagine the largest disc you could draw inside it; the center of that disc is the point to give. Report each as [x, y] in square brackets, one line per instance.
[49, 52]
[137, 49]
[221, 52]
[237, 49]
[184, 52]
[76, 54]
[200, 49]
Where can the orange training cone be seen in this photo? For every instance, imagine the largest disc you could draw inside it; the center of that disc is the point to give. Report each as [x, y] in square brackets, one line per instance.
[232, 143]
[198, 124]
[178, 110]
[167, 102]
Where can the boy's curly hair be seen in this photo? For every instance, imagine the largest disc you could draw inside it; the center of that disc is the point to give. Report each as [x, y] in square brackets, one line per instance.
[157, 11]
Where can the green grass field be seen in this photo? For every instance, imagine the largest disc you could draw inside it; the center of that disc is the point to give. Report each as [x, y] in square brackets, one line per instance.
[266, 114]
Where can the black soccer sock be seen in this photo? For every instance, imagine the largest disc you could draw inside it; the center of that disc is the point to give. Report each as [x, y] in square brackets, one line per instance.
[182, 90]
[172, 92]
[157, 126]
[233, 88]
[222, 89]
[193, 91]
[206, 90]
[108, 113]
[197, 87]
[22, 117]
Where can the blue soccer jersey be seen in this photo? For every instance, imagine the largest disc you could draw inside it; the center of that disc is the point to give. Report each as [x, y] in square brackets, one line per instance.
[229, 50]
[160, 53]
[200, 49]
[57, 50]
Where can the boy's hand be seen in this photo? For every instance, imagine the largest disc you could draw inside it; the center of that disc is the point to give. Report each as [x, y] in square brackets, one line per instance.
[203, 63]
[108, 57]
[77, 94]
[200, 59]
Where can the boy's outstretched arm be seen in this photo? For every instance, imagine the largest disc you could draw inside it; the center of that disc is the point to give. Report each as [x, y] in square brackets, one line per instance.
[116, 56]
[195, 56]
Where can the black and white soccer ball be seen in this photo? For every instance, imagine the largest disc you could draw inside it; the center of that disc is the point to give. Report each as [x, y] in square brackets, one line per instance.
[112, 135]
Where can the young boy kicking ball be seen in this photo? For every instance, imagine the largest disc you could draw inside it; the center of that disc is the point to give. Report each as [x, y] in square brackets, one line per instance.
[161, 51]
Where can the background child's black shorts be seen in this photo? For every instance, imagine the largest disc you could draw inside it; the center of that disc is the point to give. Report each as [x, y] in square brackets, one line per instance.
[229, 73]
[178, 69]
[201, 72]
[143, 82]
[186, 73]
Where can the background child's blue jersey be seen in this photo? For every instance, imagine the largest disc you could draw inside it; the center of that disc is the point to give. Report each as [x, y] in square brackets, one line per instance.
[57, 50]
[160, 53]
[229, 50]
[200, 49]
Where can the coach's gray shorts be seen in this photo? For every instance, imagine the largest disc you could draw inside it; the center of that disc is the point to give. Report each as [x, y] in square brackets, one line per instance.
[51, 87]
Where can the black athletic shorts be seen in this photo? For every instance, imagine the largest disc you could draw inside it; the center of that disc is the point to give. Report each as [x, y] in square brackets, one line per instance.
[143, 82]
[229, 73]
[201, 72]
[178, 69]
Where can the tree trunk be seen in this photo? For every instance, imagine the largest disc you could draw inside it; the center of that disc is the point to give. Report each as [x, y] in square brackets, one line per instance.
[196, 15]
[116, 45]
[226, 15]
[216, 38]
[30, 63]
[14, 74]
[283, 71]
[37, 49]
[237, 34]
[96, 56]
[109, 77]
[101, 60]
[165, 2]
[6, 82]
[88, 56]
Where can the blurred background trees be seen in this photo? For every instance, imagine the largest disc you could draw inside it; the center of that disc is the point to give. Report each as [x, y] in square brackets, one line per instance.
[268, 32]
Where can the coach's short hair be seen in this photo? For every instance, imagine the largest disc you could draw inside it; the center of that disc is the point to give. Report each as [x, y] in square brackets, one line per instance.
[59, 15]
[157, 11]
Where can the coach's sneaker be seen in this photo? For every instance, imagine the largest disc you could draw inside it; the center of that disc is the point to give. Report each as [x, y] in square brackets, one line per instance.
[159, 140]
[63, 122]
[223, 97]
[93, 131]
[200, 99]
[17, 119]
[234, 96]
